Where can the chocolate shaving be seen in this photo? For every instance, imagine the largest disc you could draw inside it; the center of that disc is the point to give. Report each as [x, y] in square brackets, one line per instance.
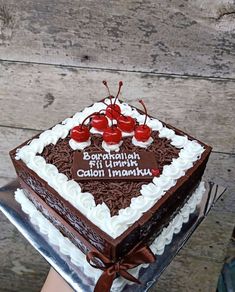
[116, 195]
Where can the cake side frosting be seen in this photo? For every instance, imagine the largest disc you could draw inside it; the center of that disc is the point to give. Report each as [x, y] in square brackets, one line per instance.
[150, 193]
[79, 259]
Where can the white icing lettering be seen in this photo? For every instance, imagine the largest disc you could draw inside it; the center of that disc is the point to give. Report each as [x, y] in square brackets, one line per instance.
[111, 156]
[90, 173]
[116, 173]
[133, 163]
[86, 156]
[92, 163]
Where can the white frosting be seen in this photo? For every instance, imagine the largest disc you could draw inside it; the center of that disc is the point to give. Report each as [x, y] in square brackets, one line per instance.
[79, 145]
[164, 182]
[142, 144]
[167, 133]
[67, 248]
[190, 151]
[172, 171]
[152, 191]
[127, 134]
[154, 124]
[179, 141]
[141, 203]
[95, 131]
[113, 147]
[101, 213]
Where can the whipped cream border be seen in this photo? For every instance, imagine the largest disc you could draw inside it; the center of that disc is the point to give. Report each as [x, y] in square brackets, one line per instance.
[76, 256]
[70, 190]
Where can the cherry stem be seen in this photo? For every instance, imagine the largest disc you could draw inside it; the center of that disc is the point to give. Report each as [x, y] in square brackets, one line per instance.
[145, 110]
[114, 109]
[95, 113]
[106, 85]
[119, 89]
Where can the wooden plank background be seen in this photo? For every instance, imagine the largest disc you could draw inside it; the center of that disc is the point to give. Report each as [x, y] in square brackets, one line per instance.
[178, 37]
[179, 56]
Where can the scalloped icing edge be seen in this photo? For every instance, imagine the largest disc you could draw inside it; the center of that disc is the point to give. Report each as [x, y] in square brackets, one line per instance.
[114, 226]
[67, 248]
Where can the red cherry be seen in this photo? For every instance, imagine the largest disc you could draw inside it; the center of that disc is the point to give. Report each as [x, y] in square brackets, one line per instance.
[99, 122]
[126, 123]
[113, 111]
[112, 135]
[155, 171]
[142, 133]
[80, 133]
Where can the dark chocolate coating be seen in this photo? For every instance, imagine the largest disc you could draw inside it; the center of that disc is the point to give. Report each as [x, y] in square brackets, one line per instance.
[82, 232]
[116, 195]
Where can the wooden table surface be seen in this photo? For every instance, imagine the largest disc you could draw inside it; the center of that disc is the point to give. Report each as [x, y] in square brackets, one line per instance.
[178, 55]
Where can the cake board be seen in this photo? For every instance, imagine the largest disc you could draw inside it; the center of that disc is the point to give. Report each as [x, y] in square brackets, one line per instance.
[75, 276]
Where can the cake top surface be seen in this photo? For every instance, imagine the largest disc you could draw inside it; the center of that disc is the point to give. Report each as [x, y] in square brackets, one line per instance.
[111, 204]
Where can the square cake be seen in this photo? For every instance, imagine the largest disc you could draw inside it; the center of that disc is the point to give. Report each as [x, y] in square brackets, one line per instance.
[111, 178]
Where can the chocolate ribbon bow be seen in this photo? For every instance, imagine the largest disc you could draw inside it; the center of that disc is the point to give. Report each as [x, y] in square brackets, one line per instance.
[139, 255]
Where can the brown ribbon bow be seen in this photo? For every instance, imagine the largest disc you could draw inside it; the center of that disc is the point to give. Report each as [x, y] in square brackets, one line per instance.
[139, 255]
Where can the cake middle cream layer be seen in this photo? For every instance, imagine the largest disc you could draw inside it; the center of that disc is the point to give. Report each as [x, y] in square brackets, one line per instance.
[67, 248]
[111, 216]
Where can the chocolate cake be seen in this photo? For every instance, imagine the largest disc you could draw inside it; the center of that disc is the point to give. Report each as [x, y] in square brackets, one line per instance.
[110, 178]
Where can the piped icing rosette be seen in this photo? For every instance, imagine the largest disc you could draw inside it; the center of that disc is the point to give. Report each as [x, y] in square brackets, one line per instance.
[67, 248]
[111, 147]
[190, 151]
[79, 145]
[166, 133]
[142, 144]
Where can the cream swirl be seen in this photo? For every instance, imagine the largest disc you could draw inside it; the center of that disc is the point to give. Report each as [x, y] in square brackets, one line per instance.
[36, 163]
[94, 131]
[58, 181]
[71, 190]
[141, 119]
[142, 144]
[37, 145]
[164, 182]
[166, 133]
[70, 123]
[152, 191]
[179, 141]
[78, 117]
[79, 145]
[60, 131]
[128, 216]
[112, 147]
[126, 109]
[25, 153]
[118, 224]
[48, 173]
[135, 114]
[141, 203]
[49, 137]
[154, 124]
[184, 213]
[85, 202]
[127, 134]
[177, 223]
[181, 163]
[192, 151]
[194, 146]
[172, 171]
[100, 213]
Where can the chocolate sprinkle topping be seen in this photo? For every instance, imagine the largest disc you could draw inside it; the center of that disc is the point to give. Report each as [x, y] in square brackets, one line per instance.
[116, 195]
